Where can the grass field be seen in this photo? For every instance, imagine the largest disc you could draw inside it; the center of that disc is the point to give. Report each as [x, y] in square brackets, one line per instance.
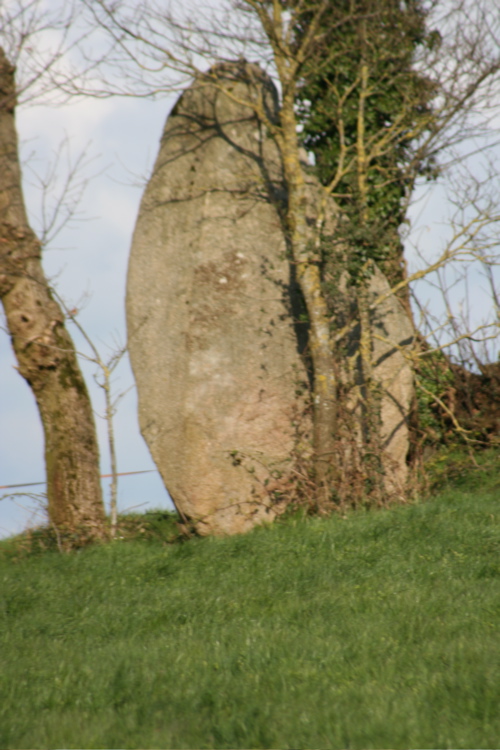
[379, 630]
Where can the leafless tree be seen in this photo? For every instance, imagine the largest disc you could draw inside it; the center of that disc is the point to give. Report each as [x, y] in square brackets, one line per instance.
[43, 348]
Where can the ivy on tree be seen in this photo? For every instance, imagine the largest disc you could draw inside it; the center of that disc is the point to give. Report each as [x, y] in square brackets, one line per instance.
[364, 106]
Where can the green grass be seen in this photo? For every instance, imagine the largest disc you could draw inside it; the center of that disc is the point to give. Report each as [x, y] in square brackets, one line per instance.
[380, 630]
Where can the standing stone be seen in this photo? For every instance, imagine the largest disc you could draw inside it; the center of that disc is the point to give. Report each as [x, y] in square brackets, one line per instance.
[213, 310]
[392, 337]
[210, 294]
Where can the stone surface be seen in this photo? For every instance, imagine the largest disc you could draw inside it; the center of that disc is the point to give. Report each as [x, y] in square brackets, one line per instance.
[211, 304]
[209, 309]
[392, 381]
[392, 336]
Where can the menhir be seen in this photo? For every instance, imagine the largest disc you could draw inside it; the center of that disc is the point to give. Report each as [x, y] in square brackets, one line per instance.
[213, 311]
[210, 308]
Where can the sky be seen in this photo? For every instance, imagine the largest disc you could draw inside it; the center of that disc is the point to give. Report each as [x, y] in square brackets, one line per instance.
[87, 263]
[87, 260]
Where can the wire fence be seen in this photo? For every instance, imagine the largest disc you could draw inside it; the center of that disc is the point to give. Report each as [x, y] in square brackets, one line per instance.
[103, 476]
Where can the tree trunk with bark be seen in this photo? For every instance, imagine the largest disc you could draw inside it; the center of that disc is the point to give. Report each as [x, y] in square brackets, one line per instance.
[45, 353]
[309, 278]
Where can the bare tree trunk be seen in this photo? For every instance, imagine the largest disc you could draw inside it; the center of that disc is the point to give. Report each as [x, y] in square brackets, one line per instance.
[44, 350]
[309, 278]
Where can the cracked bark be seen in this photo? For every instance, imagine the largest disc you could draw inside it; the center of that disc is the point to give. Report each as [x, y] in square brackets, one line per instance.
[44, 350]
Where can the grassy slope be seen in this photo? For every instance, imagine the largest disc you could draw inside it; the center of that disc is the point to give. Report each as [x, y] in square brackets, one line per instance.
[381, 630]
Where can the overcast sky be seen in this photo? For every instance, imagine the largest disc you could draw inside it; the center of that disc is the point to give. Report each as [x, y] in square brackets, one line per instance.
[88, 260]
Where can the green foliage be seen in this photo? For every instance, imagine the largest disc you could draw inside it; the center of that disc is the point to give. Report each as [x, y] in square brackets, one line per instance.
[387, 115]
[154, 525]
[374, 630]
[454, 465]
[434, 379]
[456, 407]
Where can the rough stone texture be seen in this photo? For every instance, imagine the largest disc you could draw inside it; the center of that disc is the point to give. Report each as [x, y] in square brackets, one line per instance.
[211, 338]
[392, 337]
[392, 334]
[211, 301]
